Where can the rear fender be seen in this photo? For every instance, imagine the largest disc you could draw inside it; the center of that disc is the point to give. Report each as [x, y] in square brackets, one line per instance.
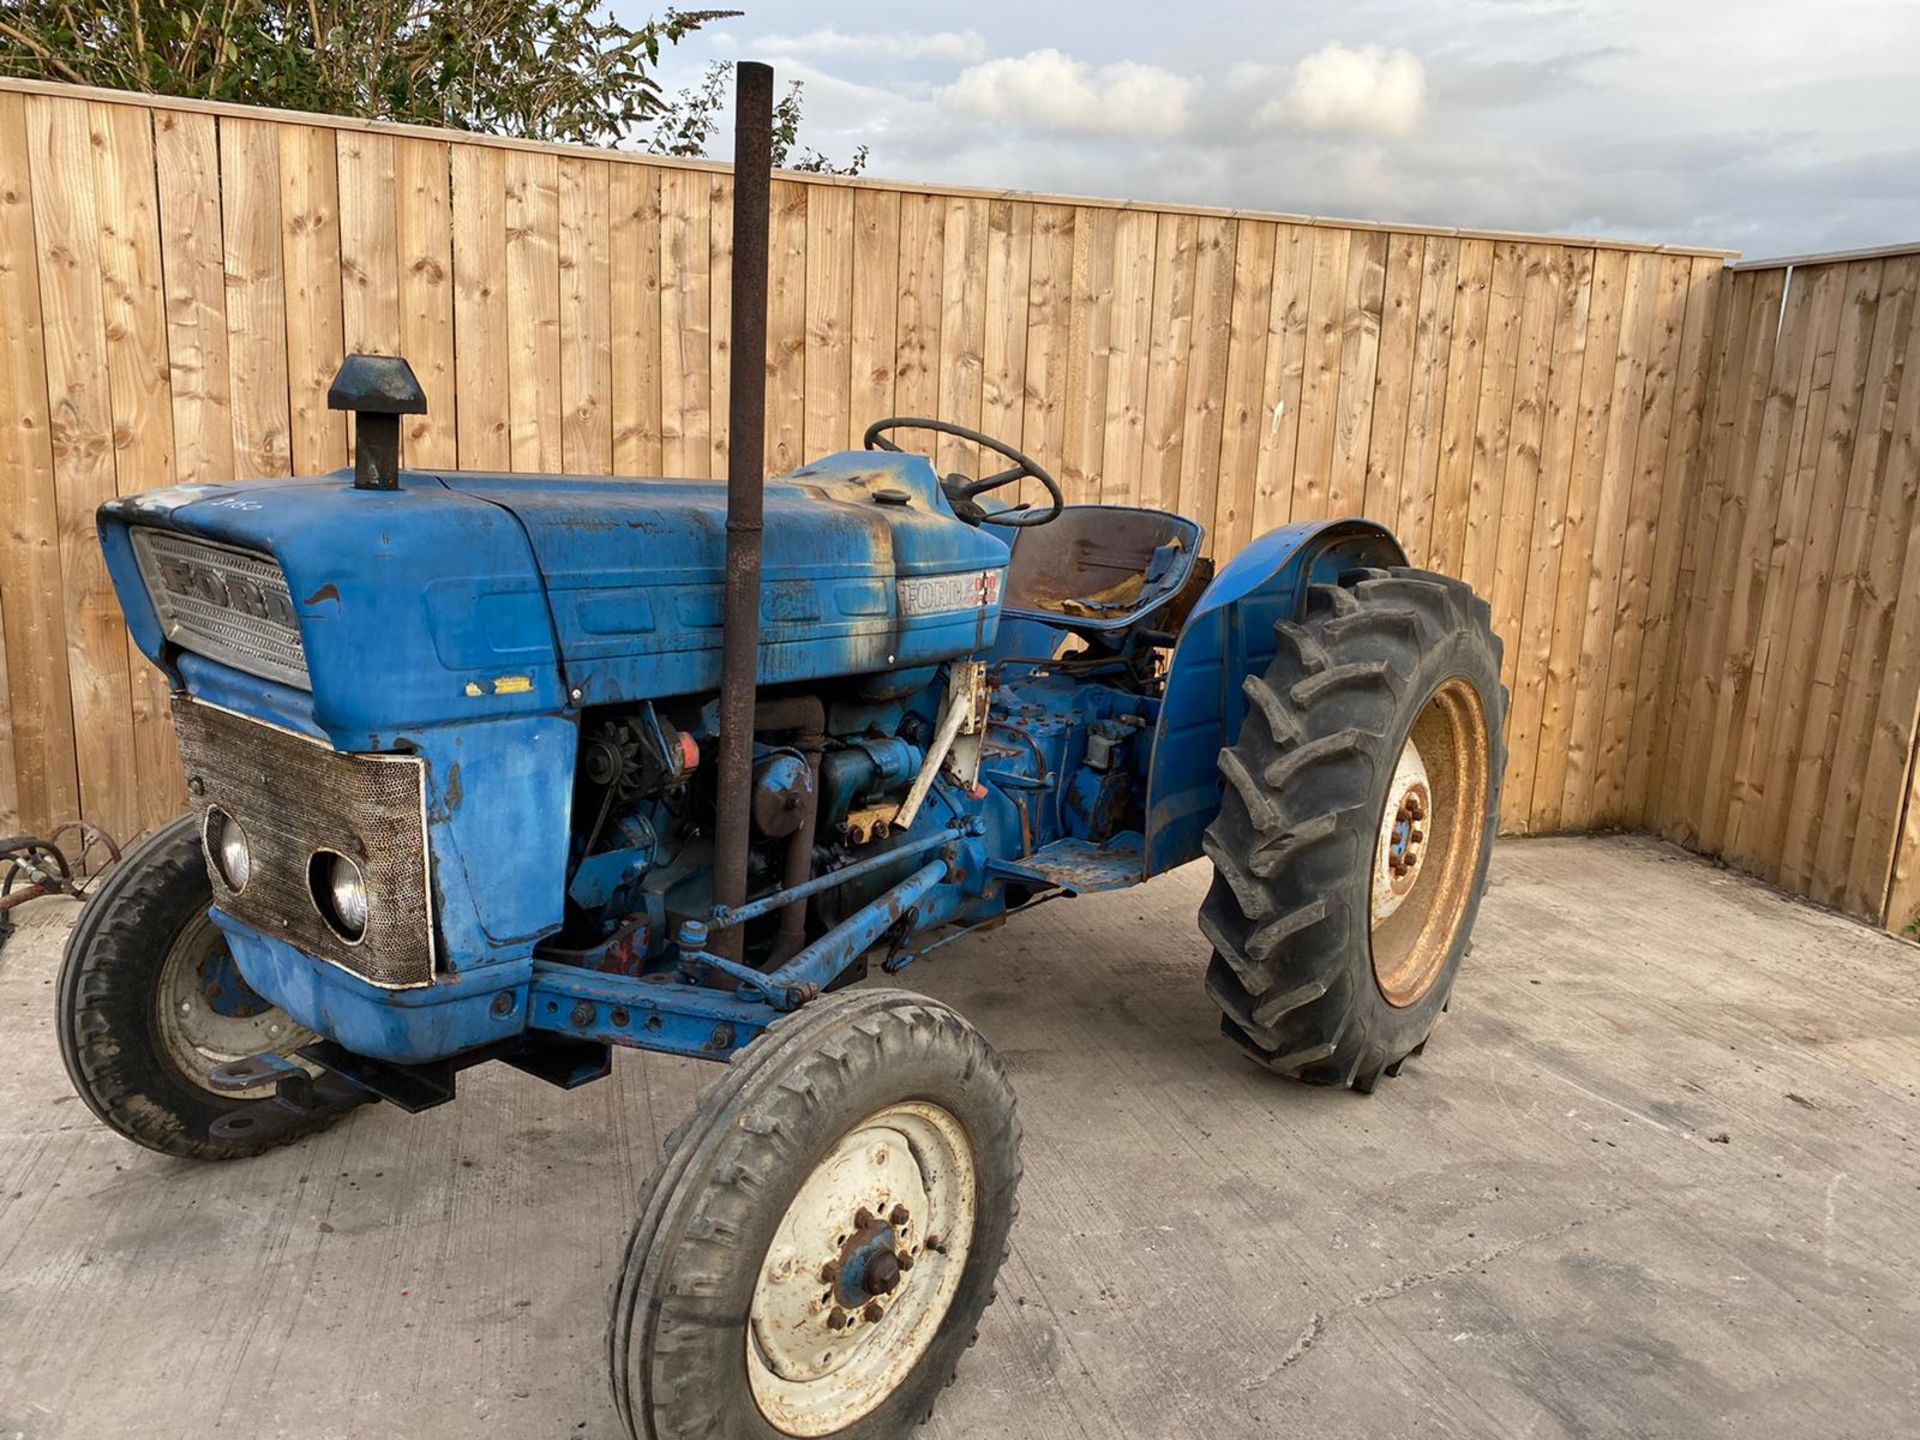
[1228, 637]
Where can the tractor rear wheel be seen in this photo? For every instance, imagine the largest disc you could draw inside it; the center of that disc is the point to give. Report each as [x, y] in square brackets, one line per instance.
[1356, 826]
[821, 1237]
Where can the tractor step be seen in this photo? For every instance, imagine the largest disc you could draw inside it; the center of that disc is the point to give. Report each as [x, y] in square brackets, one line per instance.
[1079, 867]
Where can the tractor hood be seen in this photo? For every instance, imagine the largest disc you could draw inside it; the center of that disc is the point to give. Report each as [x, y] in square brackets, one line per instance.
[471, 596]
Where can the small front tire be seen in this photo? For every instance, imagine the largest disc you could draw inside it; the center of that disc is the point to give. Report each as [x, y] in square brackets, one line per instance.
[150, 1002]
[817, 1247]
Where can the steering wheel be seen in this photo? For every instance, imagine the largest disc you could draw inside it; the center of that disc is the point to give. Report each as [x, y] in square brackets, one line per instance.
[959, 490]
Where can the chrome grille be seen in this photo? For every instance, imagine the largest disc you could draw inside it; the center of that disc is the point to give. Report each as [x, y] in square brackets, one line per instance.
[293, 796]
[228, 605]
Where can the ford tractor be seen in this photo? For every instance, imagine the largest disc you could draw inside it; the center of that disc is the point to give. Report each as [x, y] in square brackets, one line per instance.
[520, 768]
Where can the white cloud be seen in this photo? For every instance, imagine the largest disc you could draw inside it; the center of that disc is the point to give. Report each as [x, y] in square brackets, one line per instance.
[1050, 90]
[1369, 90]
[959, 47]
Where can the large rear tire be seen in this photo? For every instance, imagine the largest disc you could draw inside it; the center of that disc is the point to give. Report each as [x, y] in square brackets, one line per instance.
[815, 1250]
[1356, 827]
[150, 1003]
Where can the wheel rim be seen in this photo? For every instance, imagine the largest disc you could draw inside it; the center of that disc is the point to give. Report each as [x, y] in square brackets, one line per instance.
[208, 1015]
[862, 1270]
[1429, 843]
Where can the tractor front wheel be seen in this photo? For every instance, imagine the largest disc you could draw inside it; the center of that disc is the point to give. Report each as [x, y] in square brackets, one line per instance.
[817, 1246]
[1357, 823]
[150, 1003]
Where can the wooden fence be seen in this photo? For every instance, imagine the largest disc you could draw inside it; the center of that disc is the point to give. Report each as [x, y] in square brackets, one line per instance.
[1795, 682]
[181, 281]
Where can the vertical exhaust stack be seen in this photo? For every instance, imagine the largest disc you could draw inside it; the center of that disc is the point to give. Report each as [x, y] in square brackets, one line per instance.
[746, 483]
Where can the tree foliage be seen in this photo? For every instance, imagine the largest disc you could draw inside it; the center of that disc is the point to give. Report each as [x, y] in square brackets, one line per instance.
[688, 121]
[543, 69]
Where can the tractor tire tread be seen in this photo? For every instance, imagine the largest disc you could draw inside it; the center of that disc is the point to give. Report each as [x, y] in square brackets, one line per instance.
[1293, 844]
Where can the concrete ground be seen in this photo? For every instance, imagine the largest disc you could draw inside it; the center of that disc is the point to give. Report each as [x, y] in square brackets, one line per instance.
[1655, 1176]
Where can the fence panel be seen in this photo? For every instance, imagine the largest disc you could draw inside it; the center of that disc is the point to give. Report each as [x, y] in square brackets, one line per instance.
[1524, 410]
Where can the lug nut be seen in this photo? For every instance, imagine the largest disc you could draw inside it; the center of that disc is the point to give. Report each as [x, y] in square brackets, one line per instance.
[898, 1216]
[837, 1320]
[873, 1312]
[829, 1272]
[862, 1218]
[883, 1274]
[904, 1258]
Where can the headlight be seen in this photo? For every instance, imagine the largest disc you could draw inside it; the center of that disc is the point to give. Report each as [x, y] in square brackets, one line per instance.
[227, 844]
[339, 893]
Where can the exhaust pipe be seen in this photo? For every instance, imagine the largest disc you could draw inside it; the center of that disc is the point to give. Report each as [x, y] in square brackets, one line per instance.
[746, 484]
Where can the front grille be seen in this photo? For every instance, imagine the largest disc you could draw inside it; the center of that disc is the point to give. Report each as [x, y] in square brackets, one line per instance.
[228, 605]
[293, 796]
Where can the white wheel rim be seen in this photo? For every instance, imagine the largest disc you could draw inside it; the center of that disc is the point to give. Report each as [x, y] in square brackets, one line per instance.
[196, 1036]
[1406, 822]
[823, 1348]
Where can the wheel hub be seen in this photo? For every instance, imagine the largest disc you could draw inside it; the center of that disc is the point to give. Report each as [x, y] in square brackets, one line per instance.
[862, 1269]
[1406, 820]
[208, 1015]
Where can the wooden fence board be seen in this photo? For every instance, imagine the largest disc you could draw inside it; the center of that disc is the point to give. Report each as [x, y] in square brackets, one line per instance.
[1129, 354]
[1310, 476]
[60, 145]
[310, 255]
[1649, 434]
[719, 326]
[187, 178]
[1169, 350]
[1360, 324]
[1049, 334]
[1708, 539]
[786, 329]
[1427, 402]
[1466, 353]
[134, 336]
[1583, 570]
[685, 391]
[876, 299]
[482, 355]
[1206, 386]
[535, 403]
[1541, 283]
[33, 612]
[828, 359]
[585, 207]
[423, 234]
[1393, 379]
[1492, 419]
[1283, 392]
[917, 312]
[1243, 409]
[1089, 345]
[256, 298]
[633, 240]
[1654, 696]
[963, 332]
[1549, 581]
[1003, 393]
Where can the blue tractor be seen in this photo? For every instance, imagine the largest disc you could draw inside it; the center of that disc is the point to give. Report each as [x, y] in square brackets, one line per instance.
[520, 768]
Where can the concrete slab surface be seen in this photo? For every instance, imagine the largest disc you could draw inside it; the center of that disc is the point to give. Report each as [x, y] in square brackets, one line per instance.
[1655, 1176]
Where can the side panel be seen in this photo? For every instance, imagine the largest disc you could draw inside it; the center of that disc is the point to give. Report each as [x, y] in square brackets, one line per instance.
[1228, 637]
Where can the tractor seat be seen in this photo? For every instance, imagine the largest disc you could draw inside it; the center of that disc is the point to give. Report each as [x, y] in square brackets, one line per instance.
[1100, 567]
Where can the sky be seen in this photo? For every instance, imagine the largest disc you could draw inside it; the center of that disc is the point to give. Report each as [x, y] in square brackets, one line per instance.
[1767, 127]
